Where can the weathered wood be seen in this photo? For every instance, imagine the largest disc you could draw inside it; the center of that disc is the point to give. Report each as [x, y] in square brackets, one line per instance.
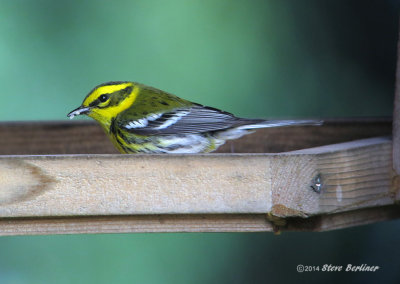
[191, 223]
[344, 219]
[137, 224]
[354, 175]
[86, 137]
[61, 194]
[49, 137]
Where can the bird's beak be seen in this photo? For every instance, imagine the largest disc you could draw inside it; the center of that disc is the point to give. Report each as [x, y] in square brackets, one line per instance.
[80, 110]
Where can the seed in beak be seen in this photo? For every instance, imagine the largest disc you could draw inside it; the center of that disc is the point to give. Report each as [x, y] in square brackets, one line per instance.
[78, 111]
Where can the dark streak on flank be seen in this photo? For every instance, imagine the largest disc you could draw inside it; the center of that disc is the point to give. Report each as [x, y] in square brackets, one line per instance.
[173, 147]
[117, 138]
[127, 150]
[113, 129]
[133, 139]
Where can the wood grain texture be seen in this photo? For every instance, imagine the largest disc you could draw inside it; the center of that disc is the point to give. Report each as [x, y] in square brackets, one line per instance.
[138, 184]
[343, 220]
[96, 193]
[86, 137]
[354, 175]
[136, 224]
[191, 223]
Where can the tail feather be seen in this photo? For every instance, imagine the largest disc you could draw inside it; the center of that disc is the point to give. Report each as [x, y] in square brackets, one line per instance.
[279, 123]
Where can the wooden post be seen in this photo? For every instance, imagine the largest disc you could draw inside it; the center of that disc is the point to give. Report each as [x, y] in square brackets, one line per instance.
[396, 117]
[396, 125]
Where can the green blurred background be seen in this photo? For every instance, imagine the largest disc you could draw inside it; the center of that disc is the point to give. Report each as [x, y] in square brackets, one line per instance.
[253, 58]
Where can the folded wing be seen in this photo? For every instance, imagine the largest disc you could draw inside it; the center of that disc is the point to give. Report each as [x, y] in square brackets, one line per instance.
[196, 119]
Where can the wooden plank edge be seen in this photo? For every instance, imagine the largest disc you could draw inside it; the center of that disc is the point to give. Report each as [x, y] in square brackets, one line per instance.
[343, 220]
[336, 147]
[50, 205]
[135, 224]
[345, 146]
[192, 223]
[86, 136]
[396, 114]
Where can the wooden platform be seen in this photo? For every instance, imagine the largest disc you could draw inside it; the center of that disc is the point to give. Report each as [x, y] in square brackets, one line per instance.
[66, 177]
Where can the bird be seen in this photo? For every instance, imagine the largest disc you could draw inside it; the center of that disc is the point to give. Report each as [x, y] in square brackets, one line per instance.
[142, 119]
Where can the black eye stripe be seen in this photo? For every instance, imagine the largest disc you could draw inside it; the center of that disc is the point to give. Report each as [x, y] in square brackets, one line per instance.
[103, 98]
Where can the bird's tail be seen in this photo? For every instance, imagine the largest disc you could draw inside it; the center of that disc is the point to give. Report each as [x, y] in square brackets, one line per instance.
[249, 125]
[279, 123]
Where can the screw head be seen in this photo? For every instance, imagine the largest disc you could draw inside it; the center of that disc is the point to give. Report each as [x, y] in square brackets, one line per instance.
[316, 183]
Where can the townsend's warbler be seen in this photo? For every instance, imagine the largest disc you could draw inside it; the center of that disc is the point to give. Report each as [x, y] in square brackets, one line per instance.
[142, 119]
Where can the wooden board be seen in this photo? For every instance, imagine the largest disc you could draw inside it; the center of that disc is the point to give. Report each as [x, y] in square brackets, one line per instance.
[41, 191]
[396, 116]
[86, 137]
[191, 223]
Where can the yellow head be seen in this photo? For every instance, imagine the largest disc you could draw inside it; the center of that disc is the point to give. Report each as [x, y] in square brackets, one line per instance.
[107, 100]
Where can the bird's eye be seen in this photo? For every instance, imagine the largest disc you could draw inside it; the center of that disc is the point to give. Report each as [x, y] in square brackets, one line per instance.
[103, 98]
